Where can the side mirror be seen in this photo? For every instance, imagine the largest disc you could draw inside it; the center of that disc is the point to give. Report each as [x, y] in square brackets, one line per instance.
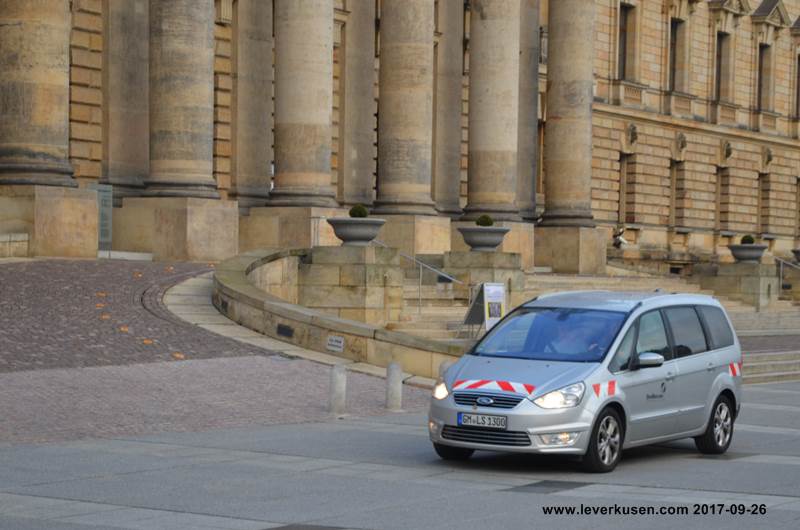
[650, 360]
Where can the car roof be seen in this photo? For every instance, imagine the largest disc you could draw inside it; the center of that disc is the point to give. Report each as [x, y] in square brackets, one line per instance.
[624, 301]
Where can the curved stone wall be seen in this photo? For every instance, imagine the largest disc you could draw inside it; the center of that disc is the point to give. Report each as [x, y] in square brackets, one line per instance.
[237, 296]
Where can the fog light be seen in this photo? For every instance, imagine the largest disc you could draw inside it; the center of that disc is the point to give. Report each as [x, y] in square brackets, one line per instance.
[559, 438]
[432, 426]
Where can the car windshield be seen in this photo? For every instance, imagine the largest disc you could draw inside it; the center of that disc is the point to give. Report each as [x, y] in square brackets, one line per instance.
[553, 334]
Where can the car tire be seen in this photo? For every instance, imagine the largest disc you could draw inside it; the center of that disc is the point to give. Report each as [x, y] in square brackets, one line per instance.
[605, 444]
[448, 452]
[719, 431]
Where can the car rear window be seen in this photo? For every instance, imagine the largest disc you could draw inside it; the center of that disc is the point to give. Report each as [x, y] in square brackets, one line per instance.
[717, 326]
[687, 332]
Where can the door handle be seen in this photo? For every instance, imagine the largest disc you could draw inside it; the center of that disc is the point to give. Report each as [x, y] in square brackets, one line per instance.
[670, 376]
[710, 366]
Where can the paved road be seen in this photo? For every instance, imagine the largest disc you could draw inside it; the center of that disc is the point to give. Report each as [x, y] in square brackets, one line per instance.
[380, 473]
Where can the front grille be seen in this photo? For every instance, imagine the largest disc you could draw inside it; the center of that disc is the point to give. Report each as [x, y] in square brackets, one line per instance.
[485, 436]
[470, 399]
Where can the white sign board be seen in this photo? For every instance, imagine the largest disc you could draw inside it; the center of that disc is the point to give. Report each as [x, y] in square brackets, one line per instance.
[335, 343]
[494, 303]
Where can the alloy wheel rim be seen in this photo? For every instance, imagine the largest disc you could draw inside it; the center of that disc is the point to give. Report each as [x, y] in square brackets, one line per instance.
[608, 438]
[722, 424]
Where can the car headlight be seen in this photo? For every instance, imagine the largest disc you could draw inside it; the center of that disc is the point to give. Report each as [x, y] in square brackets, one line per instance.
[563, 398]
[440, 391]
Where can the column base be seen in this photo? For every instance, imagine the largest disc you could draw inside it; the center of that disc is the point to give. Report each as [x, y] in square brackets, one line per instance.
[416, 234]
[60, 222]
[519, 240]
[571, 249]
[177, 228]
[288, 227]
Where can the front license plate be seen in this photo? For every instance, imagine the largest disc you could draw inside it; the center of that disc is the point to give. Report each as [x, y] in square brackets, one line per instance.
[482, 420]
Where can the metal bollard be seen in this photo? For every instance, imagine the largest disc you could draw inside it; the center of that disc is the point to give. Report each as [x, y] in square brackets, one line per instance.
[394, 387]
[443, 367]
[338, 389]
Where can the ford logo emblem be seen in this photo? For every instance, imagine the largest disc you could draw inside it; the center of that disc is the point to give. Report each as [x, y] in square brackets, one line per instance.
[485, 401]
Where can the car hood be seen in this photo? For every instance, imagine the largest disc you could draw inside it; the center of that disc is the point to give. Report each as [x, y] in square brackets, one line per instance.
[546, 376]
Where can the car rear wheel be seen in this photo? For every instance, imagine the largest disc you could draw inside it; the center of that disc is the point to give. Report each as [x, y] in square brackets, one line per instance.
[448, 452]
[719, 432]
[605, 445]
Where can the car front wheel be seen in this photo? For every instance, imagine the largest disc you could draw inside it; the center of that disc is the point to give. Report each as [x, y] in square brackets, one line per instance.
[605, 446]
[448, 452]
[719, 432]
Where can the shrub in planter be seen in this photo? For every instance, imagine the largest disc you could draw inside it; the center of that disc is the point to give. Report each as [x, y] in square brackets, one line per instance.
[484, 236]
[747, 251]
[359, 211]
[359, 229]
[484, 220]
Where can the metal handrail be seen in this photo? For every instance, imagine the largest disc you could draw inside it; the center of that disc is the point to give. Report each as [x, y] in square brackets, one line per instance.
[781, 264]
[785, 262]
[421, 263]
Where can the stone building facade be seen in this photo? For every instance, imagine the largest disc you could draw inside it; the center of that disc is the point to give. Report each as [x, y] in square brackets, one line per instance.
[229, 125]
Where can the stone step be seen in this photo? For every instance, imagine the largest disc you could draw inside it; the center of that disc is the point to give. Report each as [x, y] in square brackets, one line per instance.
[771, 377]
[435, 303]
[770, 357]
[756, 368]
[435, 334]
[410, 326]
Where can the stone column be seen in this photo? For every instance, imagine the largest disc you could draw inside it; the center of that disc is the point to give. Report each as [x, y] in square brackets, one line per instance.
[357, 111]
[528, 149]
[126, 153]
[303, 103]
[34, 92]
[568, 131]
[566, 240]
[449, 84]
[181, 99]
[493, 109]
[252, 102]
[405, 108]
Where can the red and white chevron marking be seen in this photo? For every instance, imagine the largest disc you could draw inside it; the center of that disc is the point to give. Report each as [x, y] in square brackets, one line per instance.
[486, 384]
[610, 388]
[735, 369]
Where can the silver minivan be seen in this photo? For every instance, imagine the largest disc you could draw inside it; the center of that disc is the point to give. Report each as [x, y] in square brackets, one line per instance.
[592, 373]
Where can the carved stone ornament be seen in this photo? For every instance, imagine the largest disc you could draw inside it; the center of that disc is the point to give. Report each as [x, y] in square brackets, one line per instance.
[679, 147]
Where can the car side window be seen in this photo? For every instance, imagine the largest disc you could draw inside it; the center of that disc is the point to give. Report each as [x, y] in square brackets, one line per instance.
[622, 358]
[687, 332]
[653, 335]
[717, 326]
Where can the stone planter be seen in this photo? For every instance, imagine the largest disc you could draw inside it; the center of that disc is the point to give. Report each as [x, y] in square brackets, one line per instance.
[796, 253]
[356, 231]
[483, 238]
[747, 253]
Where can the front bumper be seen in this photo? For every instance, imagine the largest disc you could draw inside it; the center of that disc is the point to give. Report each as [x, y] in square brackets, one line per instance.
[526, 418]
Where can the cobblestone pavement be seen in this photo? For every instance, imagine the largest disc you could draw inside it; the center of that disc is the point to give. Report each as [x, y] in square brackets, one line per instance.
[110, 401]
[118, 363]
[64, 314]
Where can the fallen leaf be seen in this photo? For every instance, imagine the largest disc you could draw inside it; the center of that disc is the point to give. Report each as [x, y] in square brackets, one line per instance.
[178, 356]
[100, 294]
[105, 316]
[98, 306]
[147, 341]
[123, 329]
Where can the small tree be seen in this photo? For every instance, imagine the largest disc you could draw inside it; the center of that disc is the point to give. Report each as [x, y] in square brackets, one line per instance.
[359, 210]
[747, 240]
[484, 220]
